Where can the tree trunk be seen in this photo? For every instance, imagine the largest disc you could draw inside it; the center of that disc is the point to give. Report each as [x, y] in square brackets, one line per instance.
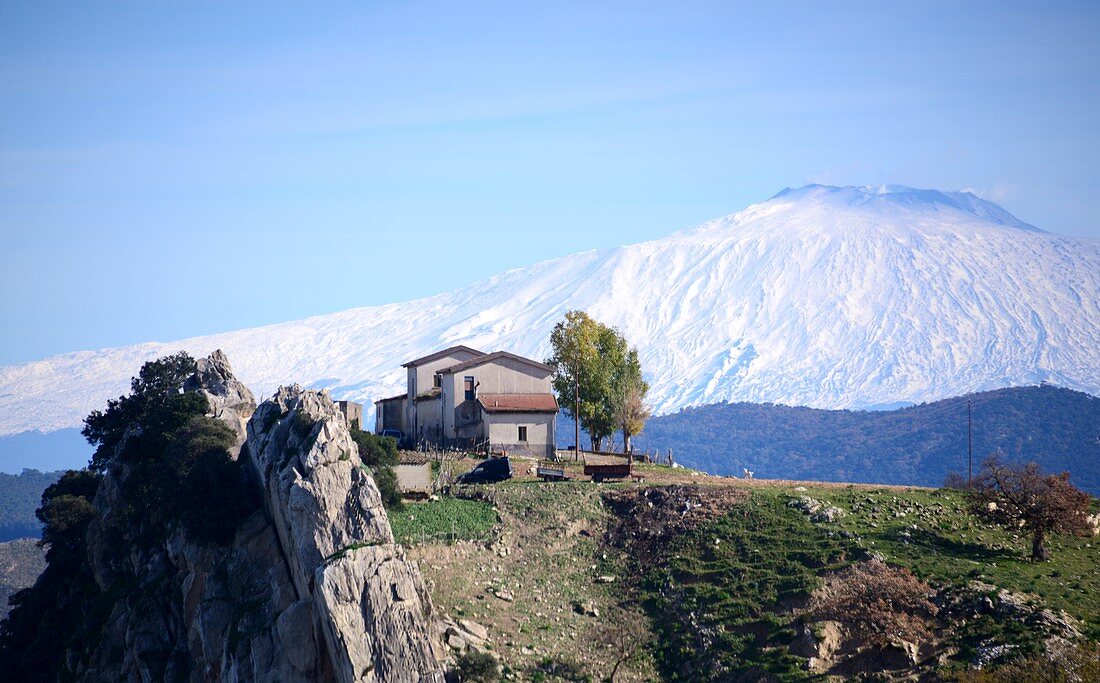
[1039, 551]
[618, 663]
[597, 441]
[626, 442]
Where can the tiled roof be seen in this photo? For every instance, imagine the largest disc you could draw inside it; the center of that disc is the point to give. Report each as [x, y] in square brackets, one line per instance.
[481, 360]
[518, 403]
[401, 397]
[441, 354]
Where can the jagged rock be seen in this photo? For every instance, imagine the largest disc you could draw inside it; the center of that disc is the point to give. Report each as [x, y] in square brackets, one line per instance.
[587, 608]
[475, 629]
[230, 400]
[312, 587]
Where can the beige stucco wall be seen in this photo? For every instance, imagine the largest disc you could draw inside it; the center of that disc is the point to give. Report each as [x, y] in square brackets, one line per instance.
[507, 376]
[353, 413]
[430, 419]
[420, 380]
[504, 433]
[389, 415]
[499, 376]
[414, 478]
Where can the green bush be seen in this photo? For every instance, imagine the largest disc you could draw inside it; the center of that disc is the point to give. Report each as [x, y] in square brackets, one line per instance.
[477, 667]
[379, 454]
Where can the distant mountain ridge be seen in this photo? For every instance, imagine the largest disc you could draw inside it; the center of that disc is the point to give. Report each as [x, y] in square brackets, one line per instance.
[1059, 428]
[821, 296]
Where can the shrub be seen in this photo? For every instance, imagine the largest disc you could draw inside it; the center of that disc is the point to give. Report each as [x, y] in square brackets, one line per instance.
[1081, 663]
[379, 453]
[876, 601]
[477, 667]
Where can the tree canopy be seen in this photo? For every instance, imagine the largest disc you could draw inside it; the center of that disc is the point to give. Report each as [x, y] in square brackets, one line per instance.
[594, 362]
[1022, 496]
[170, 468]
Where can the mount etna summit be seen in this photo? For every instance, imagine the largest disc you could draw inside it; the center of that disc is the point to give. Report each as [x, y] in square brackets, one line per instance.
[827, 297]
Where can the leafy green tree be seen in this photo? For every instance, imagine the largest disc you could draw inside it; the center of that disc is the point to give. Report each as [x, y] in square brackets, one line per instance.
[593, 361]
[57, 613]
[574, 360]
[379, 453]
[158, 382]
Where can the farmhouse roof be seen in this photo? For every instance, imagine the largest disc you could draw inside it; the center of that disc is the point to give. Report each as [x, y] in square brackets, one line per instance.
[399, 397]
[441, 354]
[518, 403]
[488, 358]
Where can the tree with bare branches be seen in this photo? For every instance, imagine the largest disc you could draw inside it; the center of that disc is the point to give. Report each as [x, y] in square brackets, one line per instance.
[1021, 496]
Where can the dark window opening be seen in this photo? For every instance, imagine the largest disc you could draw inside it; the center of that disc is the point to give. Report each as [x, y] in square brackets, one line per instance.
[437, 381]
[523, 433]
[468, 385]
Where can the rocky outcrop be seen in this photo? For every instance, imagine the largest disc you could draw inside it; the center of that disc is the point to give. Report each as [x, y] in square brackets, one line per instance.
[370, 602]
[312, 586]
[229, 399]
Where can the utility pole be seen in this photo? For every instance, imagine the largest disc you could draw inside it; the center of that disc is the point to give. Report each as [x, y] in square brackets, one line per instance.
[969, 444]
[577, 412]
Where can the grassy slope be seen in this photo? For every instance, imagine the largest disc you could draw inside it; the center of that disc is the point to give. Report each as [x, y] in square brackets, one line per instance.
[548, 555]
[547, 551]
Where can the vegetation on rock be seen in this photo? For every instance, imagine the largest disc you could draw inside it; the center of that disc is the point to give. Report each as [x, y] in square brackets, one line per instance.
[170, 468]
[379, 454]
[64, 610]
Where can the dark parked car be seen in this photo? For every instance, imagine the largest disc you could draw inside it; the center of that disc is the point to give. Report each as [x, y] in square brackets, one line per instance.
[488, 472]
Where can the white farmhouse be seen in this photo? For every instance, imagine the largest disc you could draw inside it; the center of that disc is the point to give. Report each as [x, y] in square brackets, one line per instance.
[462, 397]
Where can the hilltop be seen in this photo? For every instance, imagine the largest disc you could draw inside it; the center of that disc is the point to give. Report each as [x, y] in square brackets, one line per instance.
[689, 577]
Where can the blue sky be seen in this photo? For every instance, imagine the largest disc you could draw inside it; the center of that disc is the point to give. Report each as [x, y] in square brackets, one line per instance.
[175, 169]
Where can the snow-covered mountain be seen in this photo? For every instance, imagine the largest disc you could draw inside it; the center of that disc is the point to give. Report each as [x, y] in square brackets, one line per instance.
[821, 296]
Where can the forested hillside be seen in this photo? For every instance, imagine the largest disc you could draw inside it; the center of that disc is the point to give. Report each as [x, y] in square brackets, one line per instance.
[20, 495]
[918, 445]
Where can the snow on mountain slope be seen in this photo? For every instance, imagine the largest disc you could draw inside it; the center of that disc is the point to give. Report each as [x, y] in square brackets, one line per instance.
[821, 296]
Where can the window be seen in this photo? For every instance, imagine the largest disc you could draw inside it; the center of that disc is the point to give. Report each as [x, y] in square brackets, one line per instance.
[468, 385]
[437, 381]
[523, 433]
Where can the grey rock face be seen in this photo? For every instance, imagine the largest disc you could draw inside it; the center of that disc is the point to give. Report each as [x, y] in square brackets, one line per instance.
[370, 602]
[230, 400]
[312, 588]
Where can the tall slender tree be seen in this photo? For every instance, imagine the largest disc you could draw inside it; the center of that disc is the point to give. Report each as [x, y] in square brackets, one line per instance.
[629, 406]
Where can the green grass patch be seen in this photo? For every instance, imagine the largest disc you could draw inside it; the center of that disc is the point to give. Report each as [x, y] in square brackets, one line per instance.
[931, 533]
[712, 601]
[448, 520]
